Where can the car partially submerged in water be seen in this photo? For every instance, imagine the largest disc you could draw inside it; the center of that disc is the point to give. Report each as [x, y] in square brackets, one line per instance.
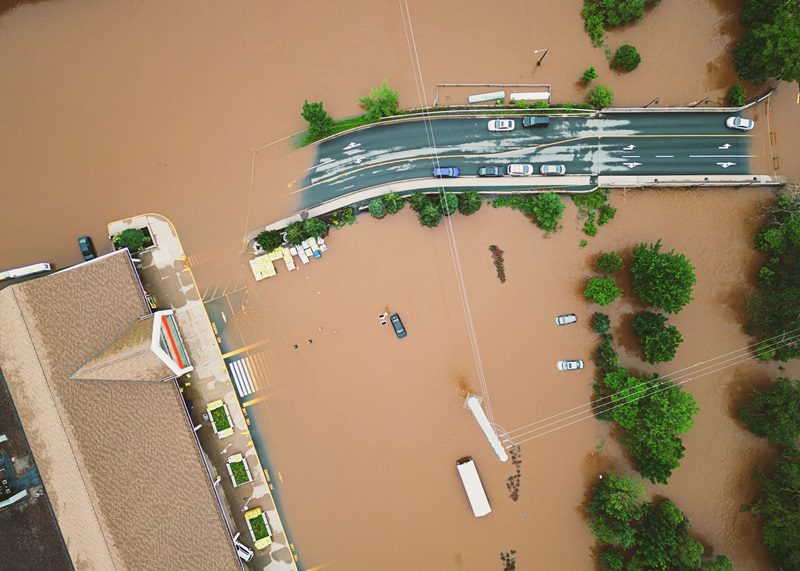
[570, 365]
[566, 319]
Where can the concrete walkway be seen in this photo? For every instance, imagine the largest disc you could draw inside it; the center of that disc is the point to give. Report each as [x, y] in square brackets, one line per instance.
[531, 184]
[166, 276]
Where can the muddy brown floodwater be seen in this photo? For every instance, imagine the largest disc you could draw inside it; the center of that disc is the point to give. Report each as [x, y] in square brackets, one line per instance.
[116, 108]
[119, 108]
[365, 429]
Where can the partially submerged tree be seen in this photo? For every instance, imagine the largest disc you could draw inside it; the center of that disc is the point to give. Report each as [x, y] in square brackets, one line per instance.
[659, 341]
[268, 240]
[393, 202]
[448, 203]
[469, 202]
[771, 44]
[774, 413]
[626, 58]
[614, 506]
[600, 97]
[608, 263]
[319, 122]
[381, 102]
[602, 291]
[662, 279]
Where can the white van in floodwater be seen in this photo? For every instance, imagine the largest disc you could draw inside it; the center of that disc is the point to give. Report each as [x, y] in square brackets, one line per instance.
[473, 486]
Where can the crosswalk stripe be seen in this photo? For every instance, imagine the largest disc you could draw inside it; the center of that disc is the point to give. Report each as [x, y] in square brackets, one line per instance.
[235, 375]
[245, 377]
[251, 373]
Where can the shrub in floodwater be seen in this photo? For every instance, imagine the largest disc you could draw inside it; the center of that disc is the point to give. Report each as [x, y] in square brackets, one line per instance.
[589, 75]
[376, 207]
[626, 58]
[736, 96]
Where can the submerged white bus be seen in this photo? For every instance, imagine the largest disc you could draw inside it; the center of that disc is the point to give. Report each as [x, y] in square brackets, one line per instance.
[25, 271]
[473, 486]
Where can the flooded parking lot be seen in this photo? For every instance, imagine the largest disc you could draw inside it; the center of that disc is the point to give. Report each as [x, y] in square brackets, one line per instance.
[363, 424]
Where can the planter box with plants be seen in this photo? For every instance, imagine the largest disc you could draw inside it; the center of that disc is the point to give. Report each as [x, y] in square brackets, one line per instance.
[259, 528]
[137, 240]
[220, 418]
[238, 470]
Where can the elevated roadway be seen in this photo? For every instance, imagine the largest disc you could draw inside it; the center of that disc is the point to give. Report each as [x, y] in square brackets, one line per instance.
[635, 144]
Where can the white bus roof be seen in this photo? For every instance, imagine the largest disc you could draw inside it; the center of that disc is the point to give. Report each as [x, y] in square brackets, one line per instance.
[474, 487]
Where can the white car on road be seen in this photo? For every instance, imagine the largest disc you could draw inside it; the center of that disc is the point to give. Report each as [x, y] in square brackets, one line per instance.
[570, 365]
[553, 170]
[739, 123]
[519, 169]
[501, 125]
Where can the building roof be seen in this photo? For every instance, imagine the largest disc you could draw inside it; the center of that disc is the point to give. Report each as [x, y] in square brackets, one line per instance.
[119, 459]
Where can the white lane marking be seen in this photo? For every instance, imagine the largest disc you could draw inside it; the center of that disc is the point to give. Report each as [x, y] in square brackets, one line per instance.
[665, 156]
[719, 156]
[630, 156]
[629, 148]
[631, 165]
[351, 146]
[725, 146]
[726, 165]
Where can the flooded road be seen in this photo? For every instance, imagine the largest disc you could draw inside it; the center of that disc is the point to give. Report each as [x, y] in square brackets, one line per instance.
[365, 429]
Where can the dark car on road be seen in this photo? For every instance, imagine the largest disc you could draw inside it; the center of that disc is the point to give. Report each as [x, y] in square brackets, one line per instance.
[532, 121]
[87, 248]
[446, 172]
[398, 325]
[490, 171]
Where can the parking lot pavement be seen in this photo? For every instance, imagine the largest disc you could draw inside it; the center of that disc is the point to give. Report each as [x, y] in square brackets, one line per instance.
[165, 276]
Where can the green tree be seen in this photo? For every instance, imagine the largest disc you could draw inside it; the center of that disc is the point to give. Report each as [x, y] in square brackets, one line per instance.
[418, 201]
[381, 102]
[614, 505]
[430, 215]
[268, 240]
[295, 233]
[772, 41]
[605, 356]
[663, 280]
[770, 316]
[343, 217]
[611, 559]
[602, 290]
[601, 323]
[736, 95]
[448, 203]
[774, 413]
[132, 238]
[319, 122]
[778, 507]
[719, 563]
[659, 341]
[663, 541]
[608, 263]
[626, 58]
[393, 202]
[601, 96]
[548, 209]
[653, 413]
[606, 213]
[315, 227]
[469, 202]
[593, 21]
[589, 75]
[621, 12]
[769, 240]
[376, 207]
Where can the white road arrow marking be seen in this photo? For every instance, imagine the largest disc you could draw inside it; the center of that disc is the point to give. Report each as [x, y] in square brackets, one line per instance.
[631, 165]
[629, 148]
[360, 159]
[725, 146]
[351, 146]
[726, 165]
